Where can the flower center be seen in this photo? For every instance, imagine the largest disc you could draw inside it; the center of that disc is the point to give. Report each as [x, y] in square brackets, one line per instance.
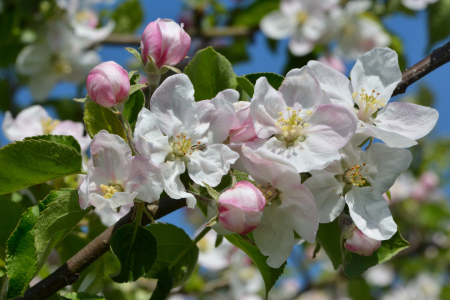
[302, 17]
[353, 175]
[368, 104]
[291, 128]
[61, 65]
[182, 146]
[49, 125]
[270, 193]
[109, 191]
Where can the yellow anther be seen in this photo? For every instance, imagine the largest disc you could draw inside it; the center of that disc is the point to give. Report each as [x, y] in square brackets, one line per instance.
[280, 113]
[309, 112]
[288, 108]
[109, 191]
[269, 193]
[305, 124]
[368, 104]
[49, 125]
[354, 175]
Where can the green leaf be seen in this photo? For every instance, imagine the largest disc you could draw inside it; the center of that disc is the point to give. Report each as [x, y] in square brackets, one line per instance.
[210, 73]
[388, 249]
[438, 21]
[41, 228]
[128, 16]
[172, 241]
[358, 289]
[274, 80]
[32, 161]
[132, 108]
[67, 140]
[252, 14]
[164, 285]
[136, 54]
[91, 279]
[246, 85]
[270, 275]
[329, 237]
[137, 87]
[3, 286]
[10, 214]
[212, 192]
[297, 62]
[97, 117]
[82, 296]
[135, 248]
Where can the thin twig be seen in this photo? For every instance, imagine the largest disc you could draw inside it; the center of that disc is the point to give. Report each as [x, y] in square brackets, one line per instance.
[437, 58]
[70, 271]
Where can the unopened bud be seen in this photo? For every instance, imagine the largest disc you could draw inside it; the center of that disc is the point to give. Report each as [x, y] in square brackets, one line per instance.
[360, 243]
[108, 84]
[241, 208]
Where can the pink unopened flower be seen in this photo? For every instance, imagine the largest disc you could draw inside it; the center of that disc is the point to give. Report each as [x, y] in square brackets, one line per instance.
[108, 84]
[240, 208]
[165, 42]
[360, 243]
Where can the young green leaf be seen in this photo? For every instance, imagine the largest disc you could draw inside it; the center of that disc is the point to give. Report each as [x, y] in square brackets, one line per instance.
[329, 237]
[210, 73]
[270, 275]
[172, 241]
[97, 117]
[34, 160]
[246, 85]
[132, 108]
[274, 80]
[136, 250]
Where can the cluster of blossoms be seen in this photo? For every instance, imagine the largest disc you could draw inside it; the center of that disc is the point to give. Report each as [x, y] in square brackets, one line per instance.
[65, 52]
[316, 124]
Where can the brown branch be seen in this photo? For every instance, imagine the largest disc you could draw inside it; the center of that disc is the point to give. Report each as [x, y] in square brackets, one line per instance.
[131, 39]
[430, 63]
[70, 271]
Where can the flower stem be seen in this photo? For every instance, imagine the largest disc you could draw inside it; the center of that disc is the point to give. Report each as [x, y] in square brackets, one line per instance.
[153, 83]
[127, 128]
[192, 244]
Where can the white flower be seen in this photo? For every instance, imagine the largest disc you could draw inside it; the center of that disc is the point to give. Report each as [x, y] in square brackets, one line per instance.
[211, 257]
[180, 133]
[117, 177]
[359, 179]
[358, 34]
[417, 4]
[35, 120]
[305, 21]
[299, 122]
[290, 207]
[60, 57]
[374, 78]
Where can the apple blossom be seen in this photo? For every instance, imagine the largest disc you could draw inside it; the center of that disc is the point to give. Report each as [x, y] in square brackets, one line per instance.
[241, 207]
[417, 4]
[60, 57]
[333, 61]
[359, 179]
[299, 122]
[211, 257]
[108, 84]
[163, 43]
[35, 120]
[290, 206]
[117, 177]
[180, 133]
[374, 78]
[360, 243]
[242, 130]
[305, 21]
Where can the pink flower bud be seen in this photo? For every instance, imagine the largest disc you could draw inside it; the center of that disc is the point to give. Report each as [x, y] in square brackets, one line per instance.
[361, 244]
[334, 62]
[166, 42]
[242, 130]
[240, 208]
[108, 84]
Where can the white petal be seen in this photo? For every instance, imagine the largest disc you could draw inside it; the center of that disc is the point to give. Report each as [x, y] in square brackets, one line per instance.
[314, 27]
[370, 212]
[145, 178]
[41, 84]
[391, 139]
[377, 70]
[301, 90]
[27, 123]
[111, 154]
[385, 165]
[264, 108]
[211, 164]
[149, 140]
[109, 217]
[82, 64]
[174, 105]
[335, 84]
[33, 59]
[407, 119]
[299, 205]
[173, 186]
[121, 198]
[83, 193]
[275, 236]
[300, 45]
[277, 25]
[91, 35]
[328, 195]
